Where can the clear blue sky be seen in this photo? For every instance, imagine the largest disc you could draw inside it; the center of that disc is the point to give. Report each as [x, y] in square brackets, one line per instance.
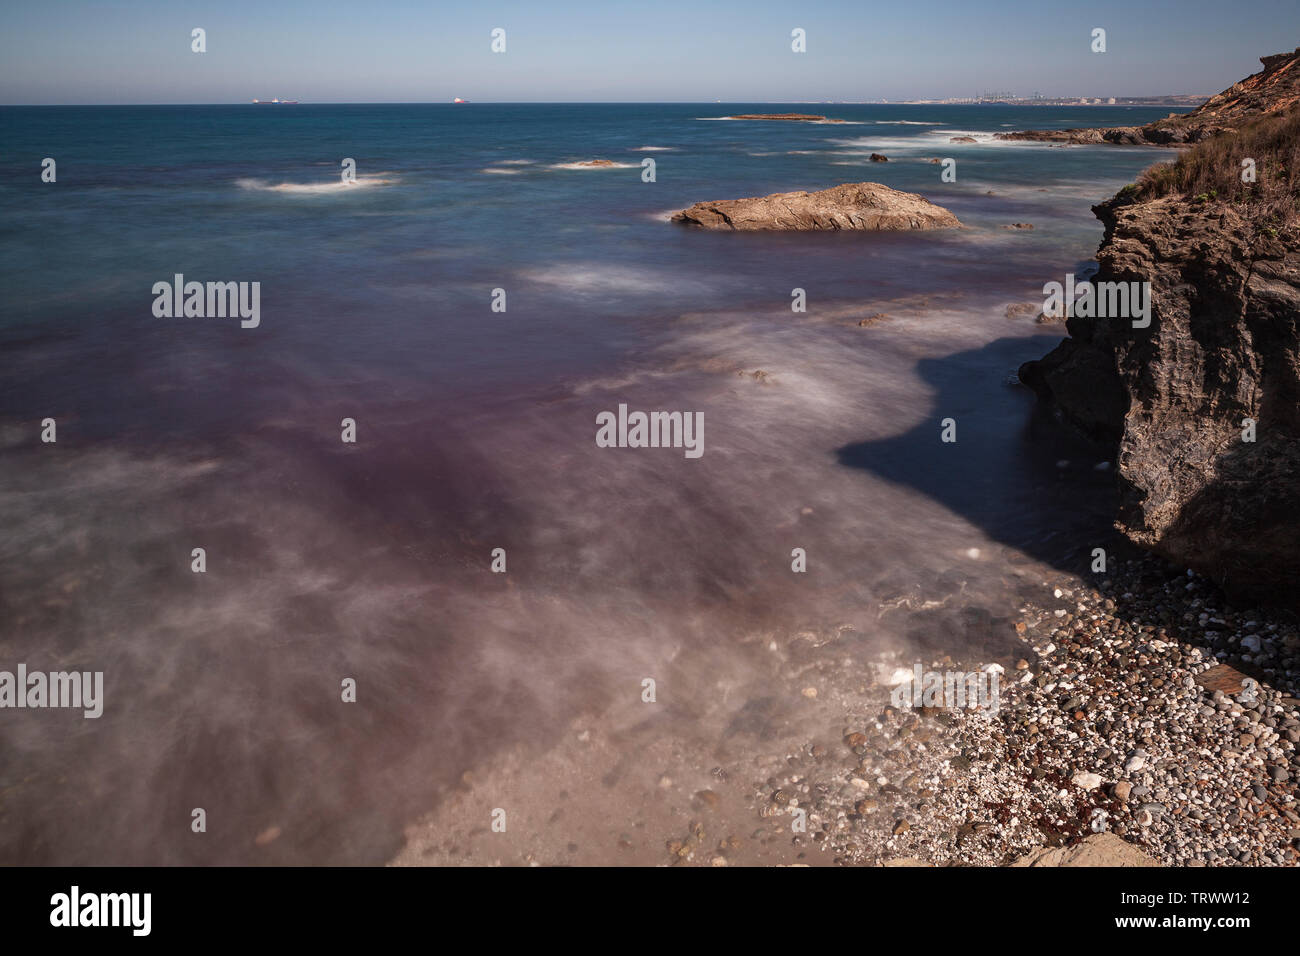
[95, 51]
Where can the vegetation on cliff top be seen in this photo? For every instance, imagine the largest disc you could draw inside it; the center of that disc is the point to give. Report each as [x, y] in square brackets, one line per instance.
[1211, 171]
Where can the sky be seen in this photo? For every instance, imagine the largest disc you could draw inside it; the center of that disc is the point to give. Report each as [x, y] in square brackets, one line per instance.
[322, 51]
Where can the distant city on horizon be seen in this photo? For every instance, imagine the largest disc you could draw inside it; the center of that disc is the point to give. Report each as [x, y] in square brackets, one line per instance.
[1185, 100]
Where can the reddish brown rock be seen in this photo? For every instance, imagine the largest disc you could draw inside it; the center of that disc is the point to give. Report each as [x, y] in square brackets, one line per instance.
[1225, 678]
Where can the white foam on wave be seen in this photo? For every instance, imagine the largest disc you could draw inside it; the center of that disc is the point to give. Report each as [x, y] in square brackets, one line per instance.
[885, 144]
[586, 164]
[972, 133]
[591, 278]
[586, 277]
[316, 189]
[929, 141]
[653, 149]
[823, 122]
[506, 167]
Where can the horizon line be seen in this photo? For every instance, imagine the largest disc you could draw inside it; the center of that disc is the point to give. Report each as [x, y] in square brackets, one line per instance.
[927, 101]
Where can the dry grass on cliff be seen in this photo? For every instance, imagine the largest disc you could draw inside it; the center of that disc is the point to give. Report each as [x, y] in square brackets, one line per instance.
[1212, 170]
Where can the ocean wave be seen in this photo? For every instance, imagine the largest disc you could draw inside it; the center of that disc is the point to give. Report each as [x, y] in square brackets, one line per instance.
[313, 189]
[594, 278]
[928, 141]
[653, 149]
[599, 279]
[588, 164]
[508, 167]
[824, 122]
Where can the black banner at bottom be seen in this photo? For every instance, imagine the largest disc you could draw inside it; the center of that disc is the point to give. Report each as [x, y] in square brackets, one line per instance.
[332, 906]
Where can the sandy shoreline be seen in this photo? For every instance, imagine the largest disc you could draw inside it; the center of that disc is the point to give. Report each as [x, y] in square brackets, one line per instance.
[1188, 775]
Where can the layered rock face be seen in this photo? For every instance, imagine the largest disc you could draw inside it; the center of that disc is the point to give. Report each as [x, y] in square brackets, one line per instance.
[857, 206]
[1274, 89]
[1223, 346]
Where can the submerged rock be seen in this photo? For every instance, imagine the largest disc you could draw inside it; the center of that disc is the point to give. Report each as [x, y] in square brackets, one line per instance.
[857, 206]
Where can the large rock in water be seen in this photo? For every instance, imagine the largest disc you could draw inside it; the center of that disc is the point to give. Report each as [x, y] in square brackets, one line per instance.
[862, 206]
[1223, 346]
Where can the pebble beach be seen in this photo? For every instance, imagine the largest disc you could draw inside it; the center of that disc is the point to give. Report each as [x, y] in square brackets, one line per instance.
[1113, 719]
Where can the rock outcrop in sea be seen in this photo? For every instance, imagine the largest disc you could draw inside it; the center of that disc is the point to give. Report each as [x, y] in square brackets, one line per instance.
[1274, 89]
[1203, 405]
[856, 206]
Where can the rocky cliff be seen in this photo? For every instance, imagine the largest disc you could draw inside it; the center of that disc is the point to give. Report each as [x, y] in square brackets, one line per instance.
[1198, 483]
[1274, 89]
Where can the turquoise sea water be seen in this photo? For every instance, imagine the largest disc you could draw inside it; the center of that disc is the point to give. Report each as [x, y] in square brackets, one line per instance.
[396, 277]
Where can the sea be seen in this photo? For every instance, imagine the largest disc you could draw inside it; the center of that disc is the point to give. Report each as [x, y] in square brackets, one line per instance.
[314, 641]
